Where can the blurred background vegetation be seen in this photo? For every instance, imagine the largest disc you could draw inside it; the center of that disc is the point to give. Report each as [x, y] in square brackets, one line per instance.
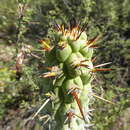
[24, 22]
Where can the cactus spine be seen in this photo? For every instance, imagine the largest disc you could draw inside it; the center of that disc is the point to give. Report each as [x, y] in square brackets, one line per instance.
[70, 75]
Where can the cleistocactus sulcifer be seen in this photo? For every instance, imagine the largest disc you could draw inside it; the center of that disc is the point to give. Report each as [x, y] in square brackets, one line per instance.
[70, 72]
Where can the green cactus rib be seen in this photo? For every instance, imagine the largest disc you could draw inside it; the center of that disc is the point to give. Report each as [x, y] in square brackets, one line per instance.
[72, 68]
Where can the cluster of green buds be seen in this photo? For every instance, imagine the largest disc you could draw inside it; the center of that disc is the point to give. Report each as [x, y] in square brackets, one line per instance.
[70, 70]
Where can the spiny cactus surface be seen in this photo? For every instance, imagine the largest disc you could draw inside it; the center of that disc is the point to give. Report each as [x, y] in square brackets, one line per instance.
[70, 72]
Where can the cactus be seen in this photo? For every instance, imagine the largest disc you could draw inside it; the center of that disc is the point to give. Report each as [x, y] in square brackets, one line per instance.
[70, 72]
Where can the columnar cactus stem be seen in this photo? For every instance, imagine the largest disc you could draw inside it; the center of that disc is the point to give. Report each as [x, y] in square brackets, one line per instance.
[71, 76]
